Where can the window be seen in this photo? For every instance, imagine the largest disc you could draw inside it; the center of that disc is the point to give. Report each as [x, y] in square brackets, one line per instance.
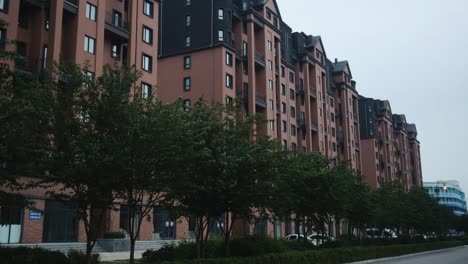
[282, 71]
[221, 14]
[147, 63]
[187, 41]
[291, 77]
[228, 58]
[229, 81]
[188, 2]
[3, 33]
[188, 20]
[148, 35]
[148, 8]
[270, 85]
[89, 45]
[4, 6]
[321, 112]
[332, 102]
[285, 126]
[268, 14]
[275, 22]
[47, 19]
[90, 11]
[220, 35]
[187, 105]
[269, 45]
[293, 130]
[285, 144]
[283, 89]
[10, 231]
[117, 19]
[270, 65]
[291, 94]
[244, 49]
[187, 84]
[116, 51]
[187, 62]
[270, 104]
[145, 90]
[332, 117]
[333, 132]
[283, 108]
[271, 125]
[293, 112]
[229, 100]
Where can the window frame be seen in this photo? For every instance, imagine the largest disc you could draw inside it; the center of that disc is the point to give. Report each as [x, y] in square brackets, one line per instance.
[221, 35]
[87, 41]
[220, 14]
[187, 84]
[148, 3]
[89, 8]
[229, 81]
[187, 62]
[188, 20]
[150, 62]
[229, 59]
[187, 41]
[150, 31]
[148, 92]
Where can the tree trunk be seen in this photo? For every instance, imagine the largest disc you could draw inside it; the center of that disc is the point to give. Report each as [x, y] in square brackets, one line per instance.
[132, 250]
[89, 251]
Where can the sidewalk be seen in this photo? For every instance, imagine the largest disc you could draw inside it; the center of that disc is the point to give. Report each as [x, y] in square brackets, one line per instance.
[113, 256]
[406, 256]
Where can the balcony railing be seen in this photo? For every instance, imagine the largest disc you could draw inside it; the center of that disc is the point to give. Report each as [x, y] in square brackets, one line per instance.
[260, 99]
[117, 25]
[259, 59]
[71, 6]
[314, 126]
[313, 93]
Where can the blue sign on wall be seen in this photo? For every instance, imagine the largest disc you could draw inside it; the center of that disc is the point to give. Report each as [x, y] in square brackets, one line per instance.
[35, 216]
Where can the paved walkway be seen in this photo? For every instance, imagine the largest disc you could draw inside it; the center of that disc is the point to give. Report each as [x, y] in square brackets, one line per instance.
[113, 256]
[458, 255]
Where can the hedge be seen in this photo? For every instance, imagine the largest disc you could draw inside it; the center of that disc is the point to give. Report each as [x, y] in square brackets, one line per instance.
[26, 255]
[329, 256]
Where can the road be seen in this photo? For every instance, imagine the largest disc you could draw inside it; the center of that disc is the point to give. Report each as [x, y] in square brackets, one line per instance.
[450, 256]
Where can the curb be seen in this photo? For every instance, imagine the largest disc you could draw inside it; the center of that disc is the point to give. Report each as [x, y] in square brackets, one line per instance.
[406, 256]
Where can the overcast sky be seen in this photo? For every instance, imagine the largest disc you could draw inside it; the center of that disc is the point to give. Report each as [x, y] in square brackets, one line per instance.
[411, 52]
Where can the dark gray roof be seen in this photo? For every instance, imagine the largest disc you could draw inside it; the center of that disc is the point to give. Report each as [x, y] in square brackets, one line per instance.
[340, 66]
[411, 128]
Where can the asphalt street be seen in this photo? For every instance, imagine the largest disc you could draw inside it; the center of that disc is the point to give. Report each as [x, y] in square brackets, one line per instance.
[451, 256]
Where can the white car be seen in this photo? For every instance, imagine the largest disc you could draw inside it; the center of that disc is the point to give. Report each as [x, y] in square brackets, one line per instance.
[292, 237]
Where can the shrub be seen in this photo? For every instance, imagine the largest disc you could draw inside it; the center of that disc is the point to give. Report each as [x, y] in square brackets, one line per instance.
[78, 257]
[25, 255]
[329, 256]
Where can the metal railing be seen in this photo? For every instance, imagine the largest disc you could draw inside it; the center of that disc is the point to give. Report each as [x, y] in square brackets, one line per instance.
[117, 21]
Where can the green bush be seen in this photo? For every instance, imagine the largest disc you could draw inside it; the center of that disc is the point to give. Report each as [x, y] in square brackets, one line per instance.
[239, 247]
[329, 256]
[25, 255]
[78, 257]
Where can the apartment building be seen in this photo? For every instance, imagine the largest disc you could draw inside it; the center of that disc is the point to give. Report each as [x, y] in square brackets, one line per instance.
[390, 149]
[95, 32]
[218, 51]
[84, 31]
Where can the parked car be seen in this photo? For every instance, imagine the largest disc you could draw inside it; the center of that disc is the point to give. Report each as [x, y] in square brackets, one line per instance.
[293, 237]
[319, 239]
[380, 233]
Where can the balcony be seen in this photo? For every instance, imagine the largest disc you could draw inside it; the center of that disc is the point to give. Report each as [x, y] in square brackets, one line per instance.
[117, 26]
[71, 6]
[35, 3]
[300, 90]
[260, 100]
[314, 126]
[259, 59]
[313, 93]
[302, 124]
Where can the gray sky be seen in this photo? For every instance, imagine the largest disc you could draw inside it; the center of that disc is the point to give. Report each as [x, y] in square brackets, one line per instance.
[411, 52]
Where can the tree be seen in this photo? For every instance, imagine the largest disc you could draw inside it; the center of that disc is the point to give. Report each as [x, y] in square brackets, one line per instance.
[25, 116]
[88, 118]
[147, 148]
